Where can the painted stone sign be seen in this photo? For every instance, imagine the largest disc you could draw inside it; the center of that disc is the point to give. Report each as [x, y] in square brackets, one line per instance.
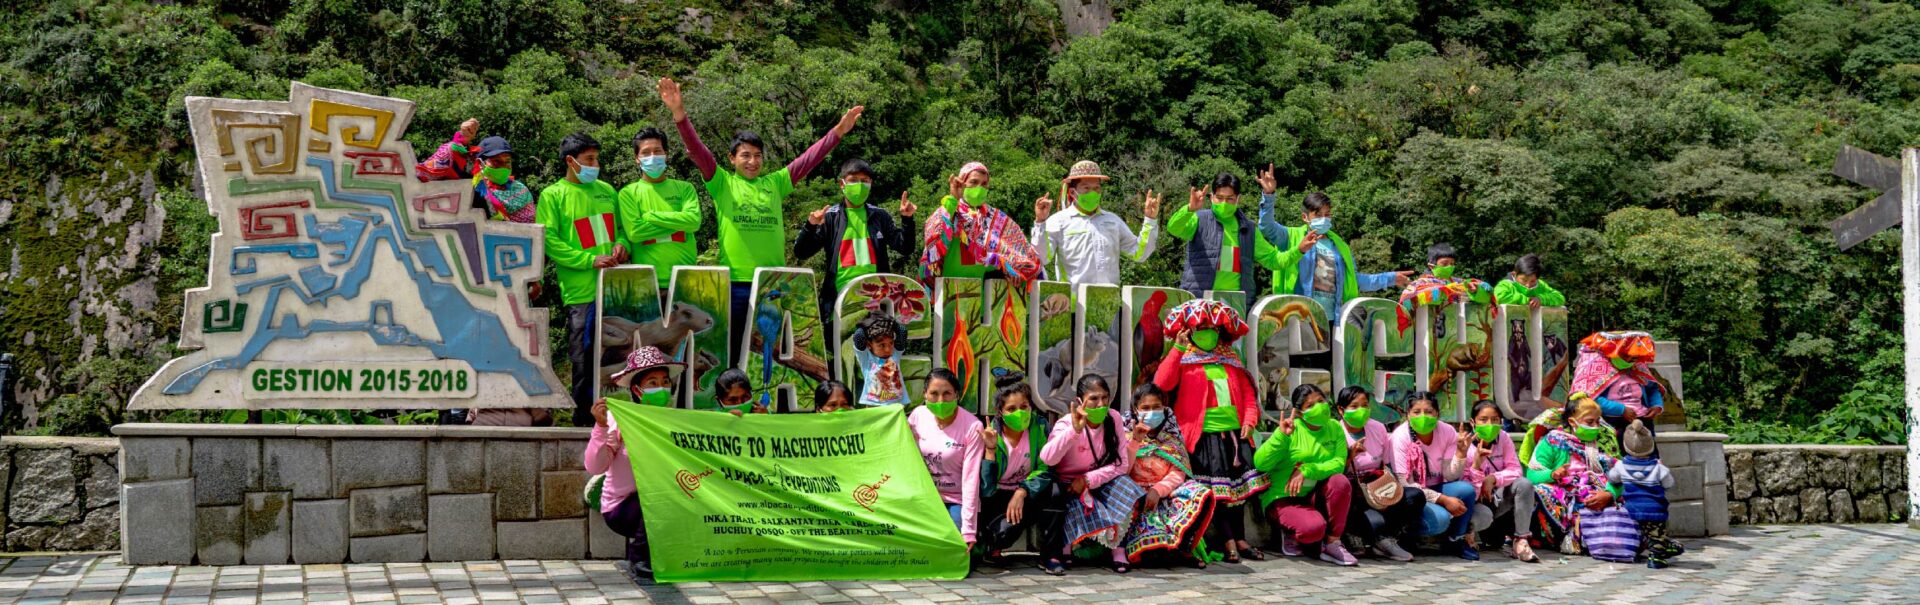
[338, 279]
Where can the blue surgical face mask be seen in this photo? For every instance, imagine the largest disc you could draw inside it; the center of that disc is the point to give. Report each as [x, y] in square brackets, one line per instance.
[1153, 418]
[1320, 225]
[588, 174]
[653, 165]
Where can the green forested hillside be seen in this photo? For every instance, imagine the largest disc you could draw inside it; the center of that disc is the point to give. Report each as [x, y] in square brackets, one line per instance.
[1668, 158]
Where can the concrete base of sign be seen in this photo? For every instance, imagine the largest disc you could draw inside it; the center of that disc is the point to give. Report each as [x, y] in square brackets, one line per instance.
[275, 494]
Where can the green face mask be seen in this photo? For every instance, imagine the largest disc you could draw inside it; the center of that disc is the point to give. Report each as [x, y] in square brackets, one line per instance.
[943, 409]
[975, 196]
[497, 176]
[1220, 209]
[1487, 432]
[1620, 364]
[1587, 434]
[1097, 416]
[1443, 271]
[1423, 425]
[1358, 418]
[1319, 413]
[1017, 420]
[856, 193]
[656, 396]
[1088, 202]
[1205, 340]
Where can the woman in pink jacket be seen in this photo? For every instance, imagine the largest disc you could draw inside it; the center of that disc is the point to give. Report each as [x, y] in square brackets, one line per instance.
[1499, 481]
[1088, 451]
[649, 379]
[952, 442]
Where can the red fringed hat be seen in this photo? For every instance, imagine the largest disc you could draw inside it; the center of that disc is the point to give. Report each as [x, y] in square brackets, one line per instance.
[1203, 313]
[1636, 347]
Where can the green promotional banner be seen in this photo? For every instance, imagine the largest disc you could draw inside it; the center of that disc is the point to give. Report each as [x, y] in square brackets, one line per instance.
[787, 497]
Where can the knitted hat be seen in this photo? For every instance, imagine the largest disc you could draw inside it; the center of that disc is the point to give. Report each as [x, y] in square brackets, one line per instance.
[1639, 440]
[1204, 313]
[1085, 169]
[643, 359]
[1636, 347]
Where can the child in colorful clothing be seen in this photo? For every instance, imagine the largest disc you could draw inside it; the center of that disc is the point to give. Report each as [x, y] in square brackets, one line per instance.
[1088, 451]
[453, 160]
[649, 379]
[495, 190]
[876, 349]
[1214, 403]
[1175, 511]
[1643, 483]
[1440, 287]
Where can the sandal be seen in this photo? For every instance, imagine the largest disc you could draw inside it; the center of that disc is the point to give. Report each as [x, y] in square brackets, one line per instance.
[1252, 553]
[1054, 567]
[1519, 549]
[1233, 556]
[1119, 567]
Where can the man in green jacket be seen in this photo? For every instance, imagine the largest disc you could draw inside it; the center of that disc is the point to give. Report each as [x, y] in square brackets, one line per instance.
[658, 215]
[1316, 262]
[1524, 286]
[578, 215]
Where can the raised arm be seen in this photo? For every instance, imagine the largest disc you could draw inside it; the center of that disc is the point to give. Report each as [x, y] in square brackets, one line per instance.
[696, 150]
[800, 166]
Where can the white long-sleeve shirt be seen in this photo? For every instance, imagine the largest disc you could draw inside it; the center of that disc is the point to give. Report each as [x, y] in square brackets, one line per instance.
[1086, 249]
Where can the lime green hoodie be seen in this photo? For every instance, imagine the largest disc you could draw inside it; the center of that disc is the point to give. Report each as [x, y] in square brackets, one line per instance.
[1318, 453]
[1510, 292]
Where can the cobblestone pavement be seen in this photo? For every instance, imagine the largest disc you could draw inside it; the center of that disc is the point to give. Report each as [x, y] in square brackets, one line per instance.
[1786, 564]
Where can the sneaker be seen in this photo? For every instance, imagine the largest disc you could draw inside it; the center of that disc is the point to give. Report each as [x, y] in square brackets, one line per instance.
[1656, 563]
[1053, 567]
[1390, 548]
[1336, 553]
[1463, 550]
[1288, 546]
[640, 572]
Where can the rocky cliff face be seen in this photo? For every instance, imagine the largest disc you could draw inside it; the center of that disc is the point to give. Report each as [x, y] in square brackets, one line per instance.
[83, 264]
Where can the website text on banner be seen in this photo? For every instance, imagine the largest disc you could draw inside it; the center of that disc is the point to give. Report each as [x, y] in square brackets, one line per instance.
[787, 498]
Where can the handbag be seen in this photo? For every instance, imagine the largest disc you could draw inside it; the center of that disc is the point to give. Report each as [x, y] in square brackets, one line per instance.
[1610, 534]
[1383, 491]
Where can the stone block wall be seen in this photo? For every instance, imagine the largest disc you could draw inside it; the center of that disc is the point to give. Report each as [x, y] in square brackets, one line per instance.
[266, 494]
[1697, 504]
[1817, 483]
[59, 494]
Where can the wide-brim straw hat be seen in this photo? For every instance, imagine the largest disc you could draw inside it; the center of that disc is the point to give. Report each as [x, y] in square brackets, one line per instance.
[1084, 169]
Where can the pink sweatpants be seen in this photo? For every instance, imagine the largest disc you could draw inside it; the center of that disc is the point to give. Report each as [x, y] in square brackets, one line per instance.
[1318, 515]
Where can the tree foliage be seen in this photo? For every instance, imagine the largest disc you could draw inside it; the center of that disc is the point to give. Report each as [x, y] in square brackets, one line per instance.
[1668, 158]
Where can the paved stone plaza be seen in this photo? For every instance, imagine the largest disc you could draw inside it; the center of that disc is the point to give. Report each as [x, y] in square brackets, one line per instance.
[1777, 564]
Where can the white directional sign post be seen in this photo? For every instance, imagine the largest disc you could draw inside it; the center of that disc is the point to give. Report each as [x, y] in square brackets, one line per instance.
[1899, 202]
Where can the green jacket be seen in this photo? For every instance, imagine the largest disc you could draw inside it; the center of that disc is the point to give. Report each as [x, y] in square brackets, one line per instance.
[1038, 479]
[1287, 277]
[579, 220]
[1317, 453]
[658, 222]
[1547, 458]
[1510, 292]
